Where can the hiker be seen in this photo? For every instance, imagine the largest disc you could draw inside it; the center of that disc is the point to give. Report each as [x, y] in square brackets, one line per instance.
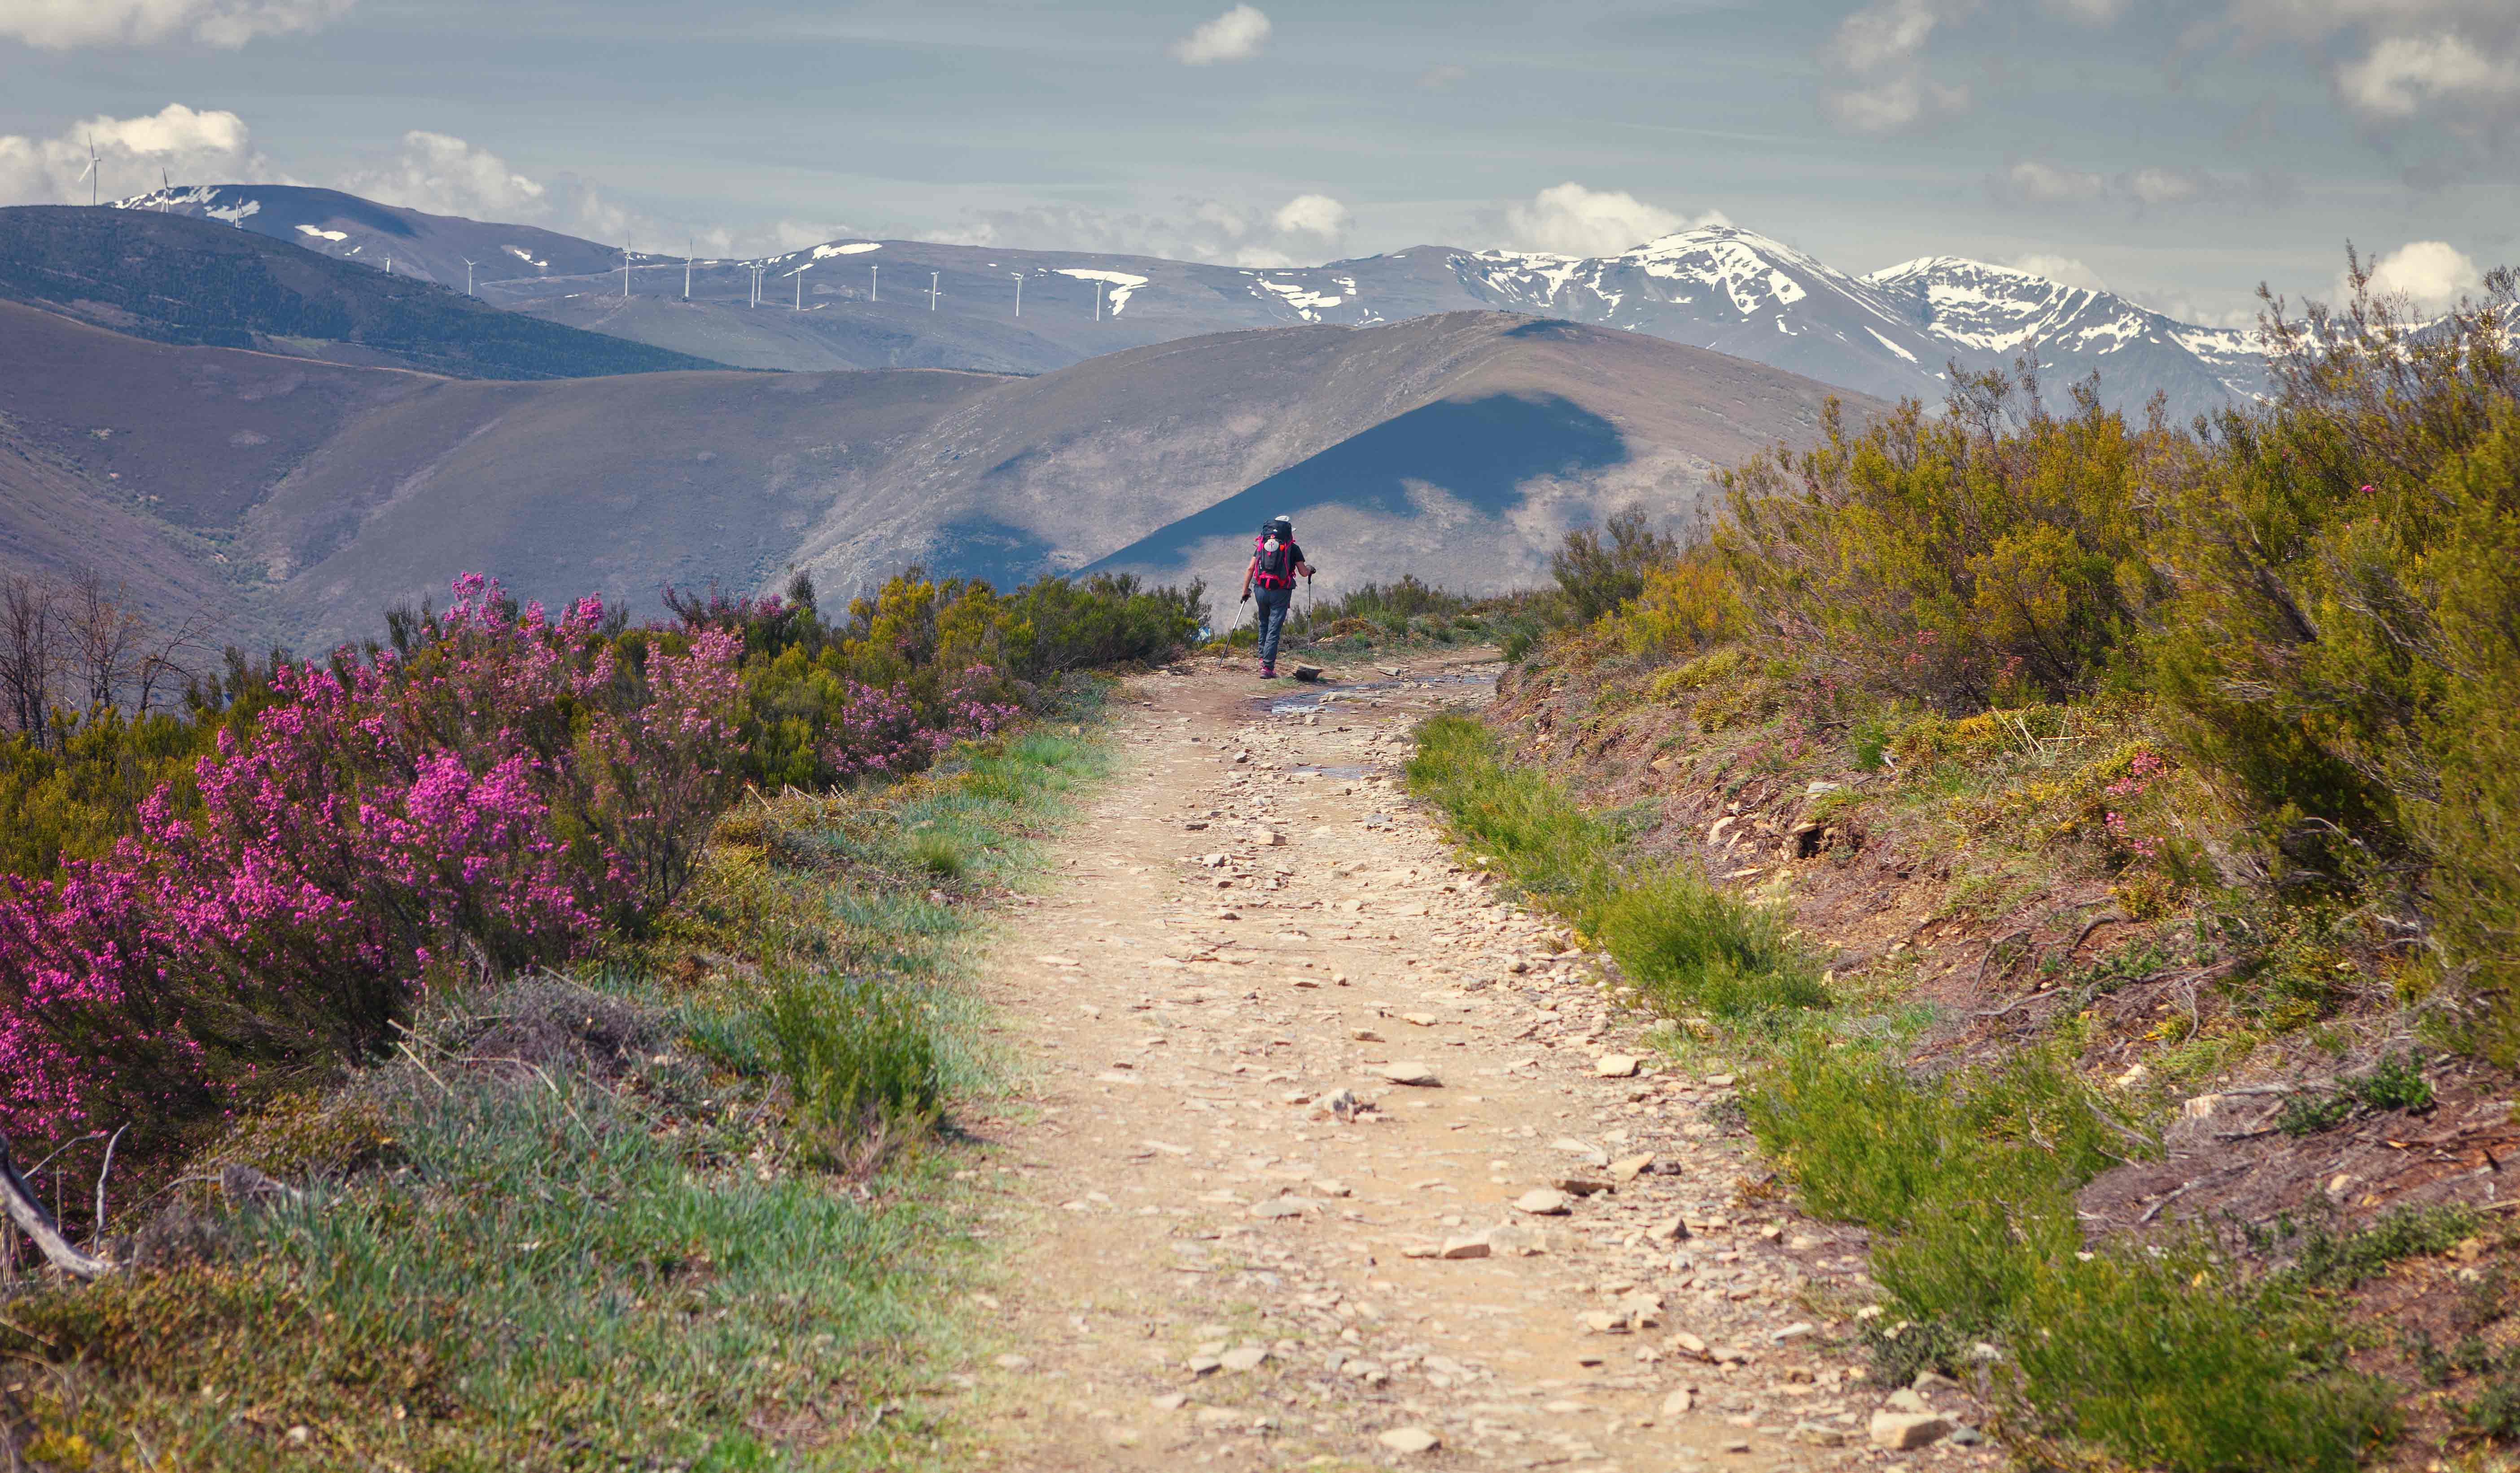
[1276, 560]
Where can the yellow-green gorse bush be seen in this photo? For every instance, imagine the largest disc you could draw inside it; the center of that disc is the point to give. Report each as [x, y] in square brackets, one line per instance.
[2313, 597]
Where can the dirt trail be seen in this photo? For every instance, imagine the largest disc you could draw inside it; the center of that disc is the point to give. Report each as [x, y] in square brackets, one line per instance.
[1224, 1267]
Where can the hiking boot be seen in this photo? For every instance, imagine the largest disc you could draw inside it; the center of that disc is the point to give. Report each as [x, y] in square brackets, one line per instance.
[1268, 672]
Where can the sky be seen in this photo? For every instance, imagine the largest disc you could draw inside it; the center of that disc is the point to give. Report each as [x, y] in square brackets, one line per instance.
[2181, 152]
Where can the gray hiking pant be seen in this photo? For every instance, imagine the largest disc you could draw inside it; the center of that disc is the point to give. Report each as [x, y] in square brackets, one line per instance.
[1269, 606]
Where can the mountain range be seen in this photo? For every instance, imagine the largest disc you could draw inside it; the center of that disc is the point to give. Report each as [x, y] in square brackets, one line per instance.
[294, 497]
[863, 303]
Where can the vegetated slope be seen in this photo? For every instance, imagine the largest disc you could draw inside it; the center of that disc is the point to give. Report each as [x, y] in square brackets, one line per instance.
[292, 498]
[1462, 445]
[142, 459]
[189, 281]
[865, 304]
[311, 494]
[612, 486]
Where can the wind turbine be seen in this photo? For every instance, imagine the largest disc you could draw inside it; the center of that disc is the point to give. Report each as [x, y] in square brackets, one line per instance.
[468, 276]
[1018, 276]
[932, 291]
[875, 283]
[687, 246]
[1098, 302]
[93, 173]
[625, 270]
[798, 276]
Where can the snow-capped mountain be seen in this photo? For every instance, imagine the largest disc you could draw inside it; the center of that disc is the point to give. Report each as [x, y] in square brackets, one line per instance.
[855, 304]
[1731, 289]
[1992, 312]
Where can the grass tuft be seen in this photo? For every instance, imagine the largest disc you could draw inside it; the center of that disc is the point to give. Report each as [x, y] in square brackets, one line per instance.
[859, 1059]
[1687, 945]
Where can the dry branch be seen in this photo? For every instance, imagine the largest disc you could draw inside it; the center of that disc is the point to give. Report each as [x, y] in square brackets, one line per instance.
[18, 1197]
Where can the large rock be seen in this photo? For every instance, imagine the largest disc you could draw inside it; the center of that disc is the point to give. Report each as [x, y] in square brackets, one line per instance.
[1905, 1431]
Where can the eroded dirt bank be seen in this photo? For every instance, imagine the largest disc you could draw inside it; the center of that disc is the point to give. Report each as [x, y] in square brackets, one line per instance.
[1246, 1243]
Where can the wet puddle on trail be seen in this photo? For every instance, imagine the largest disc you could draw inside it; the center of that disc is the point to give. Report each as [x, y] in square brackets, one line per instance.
[1352, 774]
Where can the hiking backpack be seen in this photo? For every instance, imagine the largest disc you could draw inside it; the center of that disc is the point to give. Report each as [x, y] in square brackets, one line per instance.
[1275, 550]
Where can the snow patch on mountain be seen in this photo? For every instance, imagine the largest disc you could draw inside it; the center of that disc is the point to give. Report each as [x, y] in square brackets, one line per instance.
[1122, 283]
[1893, 346]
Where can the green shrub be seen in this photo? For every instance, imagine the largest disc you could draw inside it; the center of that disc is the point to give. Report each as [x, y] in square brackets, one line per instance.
[2328, 1260]
[1690, 946]
[859, 1057]
[2396, 1082]
[1865, 1144]
[1598, 576]
[2172, 1361]
[1992, 552]
[2339, 648]
[1685, 944]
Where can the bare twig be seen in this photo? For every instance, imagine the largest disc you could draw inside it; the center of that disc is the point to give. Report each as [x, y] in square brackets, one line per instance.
[102, 1173]
[408, 1052]
[2154, 1210]
[28, 1213]
[1998, 1012]
[2085, 933]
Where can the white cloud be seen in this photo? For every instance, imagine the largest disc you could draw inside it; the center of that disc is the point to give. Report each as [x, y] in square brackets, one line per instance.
[2064, 270]
[2431, 275]
[2396, 60]
[2161, 186]
[2033, 182]
[59, 25]
[1570, 219]
[1313, 214]
[2185, 307]
[2404, 73]
[438, 173]
[1234, 36]
[2036, 183]
[1876, 65]
[2088, 12]
[1224, 232]
[1442, 79]
[198, 147]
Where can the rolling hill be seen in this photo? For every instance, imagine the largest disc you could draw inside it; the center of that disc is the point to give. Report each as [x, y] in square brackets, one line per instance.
[182, 280]
[297, 498]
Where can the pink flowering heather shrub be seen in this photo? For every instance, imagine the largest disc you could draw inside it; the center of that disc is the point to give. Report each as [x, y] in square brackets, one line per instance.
[496, 789]
[497, 795]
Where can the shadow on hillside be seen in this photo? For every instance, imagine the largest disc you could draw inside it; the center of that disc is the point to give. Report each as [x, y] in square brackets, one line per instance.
[1481, 451]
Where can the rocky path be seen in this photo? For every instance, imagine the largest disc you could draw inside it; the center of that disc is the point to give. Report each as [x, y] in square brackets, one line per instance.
[1337, 1159]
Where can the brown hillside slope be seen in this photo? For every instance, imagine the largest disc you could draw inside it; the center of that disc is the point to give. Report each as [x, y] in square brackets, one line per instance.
[610, 485]
[299, 498]
[1404, 444]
